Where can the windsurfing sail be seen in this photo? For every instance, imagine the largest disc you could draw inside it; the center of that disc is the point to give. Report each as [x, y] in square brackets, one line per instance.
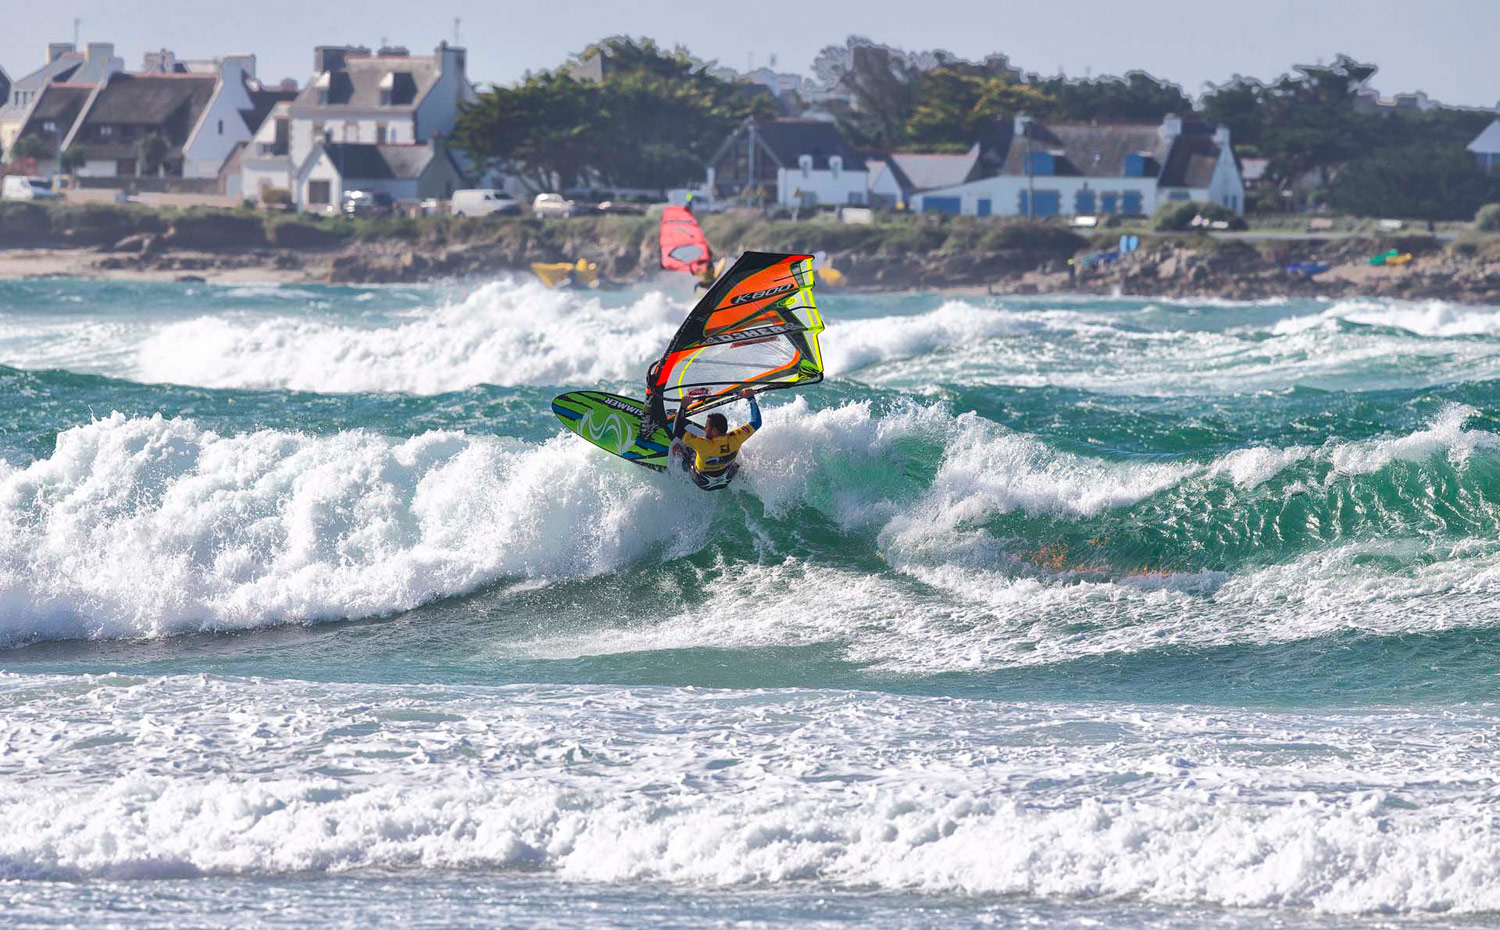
[757, 327]
[683, 245]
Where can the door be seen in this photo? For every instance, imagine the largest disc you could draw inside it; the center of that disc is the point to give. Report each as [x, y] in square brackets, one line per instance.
[1048, 203]
[983, 207]
[1132, 202]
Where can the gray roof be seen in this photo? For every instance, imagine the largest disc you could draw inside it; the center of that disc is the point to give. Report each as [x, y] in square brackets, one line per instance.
[789, 139]
[1089, 149]
[1191, 162]
[916, 171]
[59, 69]
[262, 102]
[1487, 142]
[149, 99]
[167, 103]
[357, 85]
[368, 161]
[59, 103]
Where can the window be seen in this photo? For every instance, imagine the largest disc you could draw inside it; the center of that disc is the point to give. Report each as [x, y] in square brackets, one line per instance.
[1178, 195]
[380, 133]
[835, 164]
[319, 135]
[805, 163]
[319, 193]
[49, 126]
[1041, 163]
[1083, 202]
[982, 207]
[323, 97]
[1109, 202]
[385, 98]
[351, 131]
[106, 132]
[221, 127]
[125, 168]
[1133, 203]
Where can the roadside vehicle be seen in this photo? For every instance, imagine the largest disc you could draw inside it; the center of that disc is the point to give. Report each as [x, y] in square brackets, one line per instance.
[482, 202]
[552, 205]
[367, 203]
[20, 187]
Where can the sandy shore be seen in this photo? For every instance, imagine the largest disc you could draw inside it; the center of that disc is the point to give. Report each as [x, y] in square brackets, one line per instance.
[17, 264]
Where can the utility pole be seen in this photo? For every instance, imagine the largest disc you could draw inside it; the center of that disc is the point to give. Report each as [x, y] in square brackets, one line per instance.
[1030, 176]
[457, 22]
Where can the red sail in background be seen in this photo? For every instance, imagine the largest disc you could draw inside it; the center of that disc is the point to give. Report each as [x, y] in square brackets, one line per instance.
[683, 245]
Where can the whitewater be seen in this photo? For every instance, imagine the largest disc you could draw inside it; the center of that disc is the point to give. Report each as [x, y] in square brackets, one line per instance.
[1066, 611]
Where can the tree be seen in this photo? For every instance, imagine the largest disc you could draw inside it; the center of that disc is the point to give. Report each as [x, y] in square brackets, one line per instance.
[959, 103]
[652, 121]
[881, 82]
[72, 158]
[152, 152]
[1137, 96]
[1309, 119]
[1237, 104]
[1432, 181]
[29, 146]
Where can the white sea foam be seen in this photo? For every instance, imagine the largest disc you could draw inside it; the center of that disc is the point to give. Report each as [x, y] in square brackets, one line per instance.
[1379, 813]
[502, 333]
[1431, 318]
[137, 527]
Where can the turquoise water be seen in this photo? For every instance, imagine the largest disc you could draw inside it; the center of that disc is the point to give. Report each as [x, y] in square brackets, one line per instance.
[1040, 610]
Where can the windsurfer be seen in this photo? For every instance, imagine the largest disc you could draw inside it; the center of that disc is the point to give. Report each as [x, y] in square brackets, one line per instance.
[712, 464]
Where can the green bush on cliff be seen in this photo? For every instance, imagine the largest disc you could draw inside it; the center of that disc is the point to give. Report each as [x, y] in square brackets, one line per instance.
[1488, 218]
[1178, 215]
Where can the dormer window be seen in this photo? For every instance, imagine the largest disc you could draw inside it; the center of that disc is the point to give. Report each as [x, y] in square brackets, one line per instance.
[805, 163]
[387, 85]
[323, 82]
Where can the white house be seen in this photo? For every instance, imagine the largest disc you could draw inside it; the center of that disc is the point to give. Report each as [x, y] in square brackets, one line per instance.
[389, 98]
[405, 171]
[897, 178]
[1097, 168]
[1486, 148]
[788, 161]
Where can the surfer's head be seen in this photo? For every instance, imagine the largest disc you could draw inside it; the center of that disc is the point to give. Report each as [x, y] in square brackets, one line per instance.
[717, 426]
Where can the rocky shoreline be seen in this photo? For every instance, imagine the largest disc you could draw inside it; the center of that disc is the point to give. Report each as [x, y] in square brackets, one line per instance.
[919, 256]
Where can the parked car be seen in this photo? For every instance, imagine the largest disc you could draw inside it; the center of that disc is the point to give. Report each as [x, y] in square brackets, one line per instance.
[622, 208]
[20, 187]
[552, 205]
[367, 203]
[481, 201]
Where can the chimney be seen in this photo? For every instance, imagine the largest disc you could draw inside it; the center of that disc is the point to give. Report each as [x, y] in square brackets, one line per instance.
[162, 62]
[237, 67]
[56, 50]
[332, 57]
[100, 51]
[1171, 126]
[1022, 124]
[1221, 135]
[451, 58]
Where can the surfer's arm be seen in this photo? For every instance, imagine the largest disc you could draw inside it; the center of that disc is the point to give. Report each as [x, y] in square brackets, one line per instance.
[754, 413]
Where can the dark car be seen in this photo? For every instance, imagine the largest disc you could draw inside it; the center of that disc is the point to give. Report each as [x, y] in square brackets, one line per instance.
[367, 203]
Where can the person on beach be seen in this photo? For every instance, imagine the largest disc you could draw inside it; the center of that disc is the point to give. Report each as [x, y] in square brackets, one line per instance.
[712, 464]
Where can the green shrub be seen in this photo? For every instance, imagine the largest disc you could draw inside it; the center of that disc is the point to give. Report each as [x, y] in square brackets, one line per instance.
[276, 197]
[1488, 218]
[1178, 216]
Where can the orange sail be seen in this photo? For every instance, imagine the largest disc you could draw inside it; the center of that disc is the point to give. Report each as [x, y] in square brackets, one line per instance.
[683, 245]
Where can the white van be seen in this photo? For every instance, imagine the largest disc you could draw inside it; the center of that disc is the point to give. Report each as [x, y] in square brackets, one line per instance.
[482, 202]
[19, 187]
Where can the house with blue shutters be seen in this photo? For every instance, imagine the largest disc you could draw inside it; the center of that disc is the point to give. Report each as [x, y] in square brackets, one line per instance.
[1098, 168]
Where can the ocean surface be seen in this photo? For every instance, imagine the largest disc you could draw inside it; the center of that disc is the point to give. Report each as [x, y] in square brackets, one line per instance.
[1068, 612]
